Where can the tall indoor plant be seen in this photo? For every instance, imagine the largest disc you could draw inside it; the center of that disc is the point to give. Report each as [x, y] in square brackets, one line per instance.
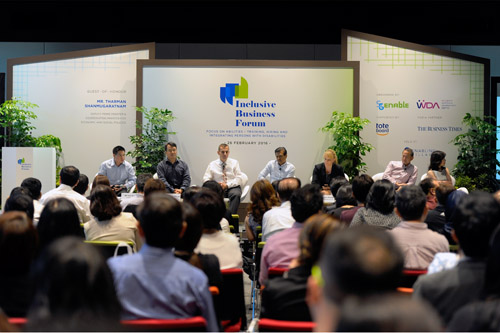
[150, 144]
[347, 142]
[477, 154]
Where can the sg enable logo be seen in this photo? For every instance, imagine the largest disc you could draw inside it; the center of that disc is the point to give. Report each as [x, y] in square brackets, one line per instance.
[382, 129]
[234, 90]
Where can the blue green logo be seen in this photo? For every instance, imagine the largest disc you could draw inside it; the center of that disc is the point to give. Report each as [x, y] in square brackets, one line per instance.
[234, 90]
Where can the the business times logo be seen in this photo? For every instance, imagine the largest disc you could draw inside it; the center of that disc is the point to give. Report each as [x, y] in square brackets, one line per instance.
[394, 105]
[234, 90]
[21, 161]
[382, 129]
[422, 104]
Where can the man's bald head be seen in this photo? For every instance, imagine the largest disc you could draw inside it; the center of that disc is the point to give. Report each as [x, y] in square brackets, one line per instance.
[286, 188]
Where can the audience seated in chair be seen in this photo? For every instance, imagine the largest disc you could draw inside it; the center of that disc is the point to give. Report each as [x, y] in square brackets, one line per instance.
[284, 297]
[74, 290]
[34, 186]
[109, 223]
[262, 198]
[429, 187]
[217, 188]
[153, 283]
[344, 201]
[139, 198]
[360, 188]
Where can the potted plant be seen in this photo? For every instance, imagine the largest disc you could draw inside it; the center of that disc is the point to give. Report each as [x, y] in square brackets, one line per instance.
[150, 144]
[347, 142]
[476, 166]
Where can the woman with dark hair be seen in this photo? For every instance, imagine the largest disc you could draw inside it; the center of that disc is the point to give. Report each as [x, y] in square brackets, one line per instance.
[344, 200]
[18, 245]
[263, 198]
[283, 298]
[109, 222]
[379, 207]
[184, 248]
[74, 290]
[437, 167]
[59, 218]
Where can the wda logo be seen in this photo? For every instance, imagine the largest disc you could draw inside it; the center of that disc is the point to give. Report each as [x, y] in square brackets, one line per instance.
[234, 90]
[427, 105]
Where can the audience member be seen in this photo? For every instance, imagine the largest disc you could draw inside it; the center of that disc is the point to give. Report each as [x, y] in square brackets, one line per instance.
[279, 168]
[474, 220]
[153, 185]
[59, 218]
[344, 201]
[282, 247]
[213, 240]
[323, 173]
[279, 218]
[120, 173]
[262, 199]
[436, 219]
[283, 298]
[83, 184]
[74, 290]
[139, 198]
[34, 186]
[418, 243]
[402, 173]
[100, 180]
[429, 186]
[360, 187]
[360, 262]
[109, 222]
[18, 246]
[20, 202]
[172, 171]
[214, 186]
[452, 202]
[379, 209]
[437, 168]
[153, 283]
[69, 178]
[336, 183]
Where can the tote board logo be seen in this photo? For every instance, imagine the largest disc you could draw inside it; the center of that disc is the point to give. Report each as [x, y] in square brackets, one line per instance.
[234, 90]
[382, 129]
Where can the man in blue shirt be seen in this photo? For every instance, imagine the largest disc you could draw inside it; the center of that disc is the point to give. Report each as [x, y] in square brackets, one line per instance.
[120, 173]
[153, 283]
[279, 168]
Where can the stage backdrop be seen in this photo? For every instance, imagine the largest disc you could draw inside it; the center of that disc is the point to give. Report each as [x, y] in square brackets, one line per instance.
[254, 106]
[414, 96]
[87, 98]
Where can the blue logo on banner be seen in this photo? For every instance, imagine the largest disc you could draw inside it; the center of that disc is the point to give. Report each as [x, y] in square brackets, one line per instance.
[234, 90]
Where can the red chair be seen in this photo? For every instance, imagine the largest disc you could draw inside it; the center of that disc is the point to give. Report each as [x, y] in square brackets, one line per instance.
[273, 325]
[193, 324]
[18, 322]
[410, 276]
[232, 299]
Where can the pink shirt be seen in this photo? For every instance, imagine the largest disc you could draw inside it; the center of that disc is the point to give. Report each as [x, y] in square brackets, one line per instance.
[396, 172]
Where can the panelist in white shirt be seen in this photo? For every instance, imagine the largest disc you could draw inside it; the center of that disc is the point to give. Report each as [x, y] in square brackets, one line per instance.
[279, 168]
[226, 171]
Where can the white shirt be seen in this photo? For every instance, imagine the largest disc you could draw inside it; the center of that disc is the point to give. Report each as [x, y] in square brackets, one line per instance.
[277, 218]
[276, 171]
[38, 211]
[234, 176]
[225, 246]
[81, 203]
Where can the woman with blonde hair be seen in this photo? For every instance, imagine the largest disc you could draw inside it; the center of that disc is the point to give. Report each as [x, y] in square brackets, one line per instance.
[263, 198]
[323, 173]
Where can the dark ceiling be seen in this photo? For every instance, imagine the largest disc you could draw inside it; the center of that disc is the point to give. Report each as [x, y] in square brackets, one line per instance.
[277, 22]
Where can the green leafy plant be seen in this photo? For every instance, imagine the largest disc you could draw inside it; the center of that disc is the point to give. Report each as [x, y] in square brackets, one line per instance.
[150, 144]
[15, 120]
[477, 162]
[347, 143]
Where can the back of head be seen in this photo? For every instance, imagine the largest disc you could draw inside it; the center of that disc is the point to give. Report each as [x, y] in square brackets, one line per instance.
[83, 184]
[75, 289]
[442, 192]
[160, 216]
[492, 277]
[194, 228]
[452, 201]
[104, 204]
[336, 183]
[387, 313]
[411, 202]
[190, 192]
[59, 218]
[18, 243]
[34, 186]
[286, 186]
[211, 207]
[69, 175]
[361, 186]
[381, 197]
[154, 185]
[474, 221]
[100, 180]
[263, 198]
[345, 196]
[306, 201]
[141, 181]
[20, 203]
[427, 184]
[214, 186]
[311, 238]
[360, 261]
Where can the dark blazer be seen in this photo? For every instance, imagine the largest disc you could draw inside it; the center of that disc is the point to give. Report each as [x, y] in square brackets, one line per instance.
[321, 178]
[449, 290]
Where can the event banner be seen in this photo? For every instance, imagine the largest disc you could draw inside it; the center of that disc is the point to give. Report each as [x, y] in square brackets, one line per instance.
[85, 98]
[254, 107]
[413, 96]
